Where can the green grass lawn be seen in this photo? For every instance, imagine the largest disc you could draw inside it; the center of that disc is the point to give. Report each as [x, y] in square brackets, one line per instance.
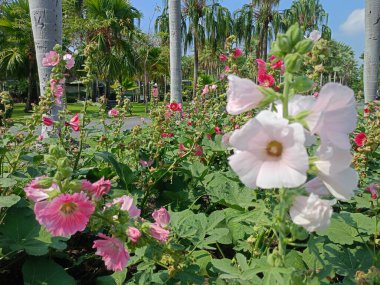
[18, 115]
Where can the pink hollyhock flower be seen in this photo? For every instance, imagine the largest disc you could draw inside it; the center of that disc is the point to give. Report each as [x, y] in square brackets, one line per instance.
[126, 204]
[70, 62]
[53, 82]
[223, 57]
[161, 217]
[65, 215]
[334, 115]
[209, 136]
[315, 35]
[227, 68]
[145, 163]
[74, 123]
[51, 59]
[373, 189]
[278, 64]
[189, 123]
[242, 95]
[36, 192]
[205, 90]
[270, 152]
[316, 94]
[261, 65]
[181, 149]
[58, 91]
[237, 52]
[112, 251]
[360, 139]
[134, 234]
[366, 110]
[40, 138]
[47, 121]
[214, 87]
[334, 171]
[198, 150]
[87, 186]
[217, 130]
[266, 80]
[312, 213]
[272, 58]
[174, 106]
[159, 233]
[113, 113]
[101, 187]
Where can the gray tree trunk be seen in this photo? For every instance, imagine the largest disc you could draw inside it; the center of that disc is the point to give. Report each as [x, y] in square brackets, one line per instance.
[175, 51]
[372, 49]
[46, 17]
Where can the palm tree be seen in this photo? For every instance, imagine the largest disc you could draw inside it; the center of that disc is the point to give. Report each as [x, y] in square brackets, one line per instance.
[175, 50]
[372, 49]
[18, 48]
[46, 19]
[259, 20]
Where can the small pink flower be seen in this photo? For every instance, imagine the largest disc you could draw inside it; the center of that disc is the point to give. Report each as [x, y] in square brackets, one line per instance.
[40, 138]
[70, 62]
[266, 80]
[53, 82]
[316, 94]
[181, 149]
[226, 68]
[65, 215]
[237, 52]
[87, 186]
[360, 139]
[198, 150]
[126, 204]
[58, 91]
[278, 64]
[101, 187]
[51, 59]
[261, 64]
[223, 57]
[36, 193]
[161, 217]
[145, 163]
[113, 113]
[74, 123]
[217, 130]
[112, 251]
[214, 87]
[373, 189]
[159, 233]
[134, 234]
[205, 90]
[272, 58]
[47, 121]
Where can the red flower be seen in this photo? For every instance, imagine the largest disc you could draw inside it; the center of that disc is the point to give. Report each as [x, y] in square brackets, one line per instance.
[223, 57]
[47, 121]
[366, 110]
[217, 130]
[174, 106]
[198, 150]
[74, 123]
[360, 138]
[237, 52]
[266, 80]
[278, 64]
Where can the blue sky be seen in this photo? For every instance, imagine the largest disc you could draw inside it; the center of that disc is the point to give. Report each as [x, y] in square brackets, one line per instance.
[346, 17]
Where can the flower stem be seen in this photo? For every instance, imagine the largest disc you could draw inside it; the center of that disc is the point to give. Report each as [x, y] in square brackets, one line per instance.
[285, 98]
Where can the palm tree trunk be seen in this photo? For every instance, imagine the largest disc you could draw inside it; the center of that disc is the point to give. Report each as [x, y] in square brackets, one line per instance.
[372, 49]
[175, 51]
[46, 17]
[196, 64]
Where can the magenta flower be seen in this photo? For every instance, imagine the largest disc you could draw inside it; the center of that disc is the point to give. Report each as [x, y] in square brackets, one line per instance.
[373, 189]
[237, 52]
[133, 233]
[126, 204]
[266, 80]
[112, 251]
[113, 113]
[161, 217]
[74, 123]
[145, 163]
[65, 215]
[47, 121]
[360, 139]
[278, 64]
[101, 187]
[70, 62]
[223, 57]
[86, 186]
[159, 233]
[51, 59]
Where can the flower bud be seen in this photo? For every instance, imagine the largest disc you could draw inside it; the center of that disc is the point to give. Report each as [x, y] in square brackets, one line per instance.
[63, 162]
[66, 171]
[50, 160]
[304, 46]
[45, 182]
[284, 43]
[75, 185]
[294, 34]
[293, 62]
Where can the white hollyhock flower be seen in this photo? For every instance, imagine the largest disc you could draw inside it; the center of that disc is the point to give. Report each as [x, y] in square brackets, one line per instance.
[316, 186]
[312, 213]
[270, 152]
[315, 35]
[242, 95]
[334, 115]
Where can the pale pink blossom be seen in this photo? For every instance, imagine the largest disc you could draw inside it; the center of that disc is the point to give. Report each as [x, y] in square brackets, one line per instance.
[317, 187]
[161, 217]
[101, 187]
[112, 251]
[205, 90]
[214, 87]
[261, 64]
[36, 192]
[113, 113]
[312, 213]
[70, 62]
[242, 95]
[146, 163]
[51, 59]
[159, 233]
[134, 234]
[270, 152]
[65, 215]
[315, 35]
[334, 115]
[126, 204]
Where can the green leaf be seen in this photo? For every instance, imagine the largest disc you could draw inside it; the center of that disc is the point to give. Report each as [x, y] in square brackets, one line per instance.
[7, 182]
[225, 265]
[202, 259]
[115, 279]
[294, 259]
[198, 170]
[8, 201]
[41, 270]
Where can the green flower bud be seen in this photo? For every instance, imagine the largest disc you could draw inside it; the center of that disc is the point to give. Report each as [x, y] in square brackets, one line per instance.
[66, 171]
[75, 185]
[302, 84]
[294, 34]
[293, 62]
[50, 160]
[45, 182]
[63, 162]
[304, 46]
[283, 43]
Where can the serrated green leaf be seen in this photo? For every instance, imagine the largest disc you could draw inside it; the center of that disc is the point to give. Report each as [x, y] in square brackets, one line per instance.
[116, 278]
[8, 201]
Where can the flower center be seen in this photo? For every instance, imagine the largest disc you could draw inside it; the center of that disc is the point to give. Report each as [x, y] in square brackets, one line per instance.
[274, 148]
[68, 208]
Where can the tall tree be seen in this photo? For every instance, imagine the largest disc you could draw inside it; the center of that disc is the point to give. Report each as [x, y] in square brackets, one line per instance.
[46, 16]
[372, 49]
[175, 50]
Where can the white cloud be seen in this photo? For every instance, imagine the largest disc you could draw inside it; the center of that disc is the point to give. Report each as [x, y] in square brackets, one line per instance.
[354, 24]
